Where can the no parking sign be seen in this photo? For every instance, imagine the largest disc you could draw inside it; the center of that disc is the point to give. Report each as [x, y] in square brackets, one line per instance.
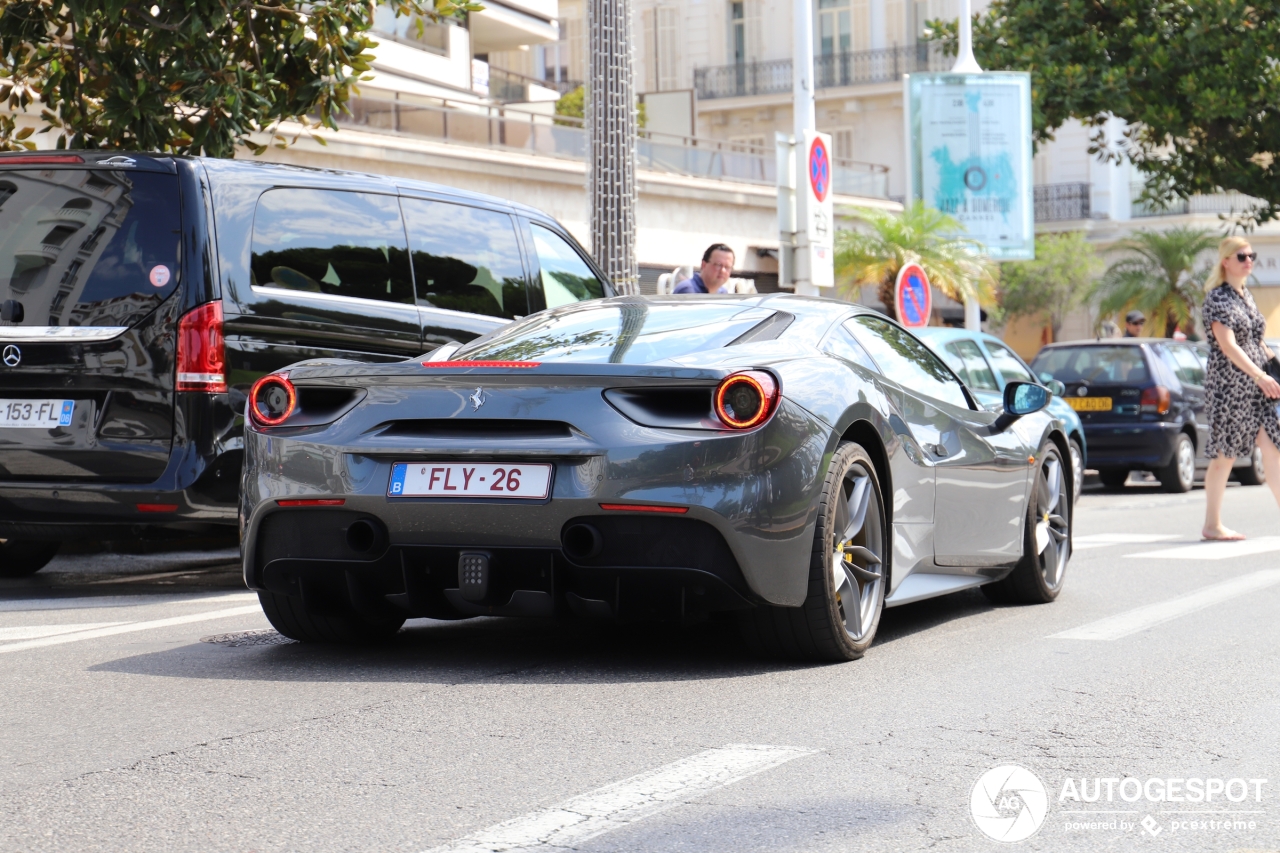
[912, 296]
[815, 203]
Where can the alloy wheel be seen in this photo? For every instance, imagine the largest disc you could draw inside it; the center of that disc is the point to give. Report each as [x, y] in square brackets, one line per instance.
[1186, 462]
[857, 556]
[1053, 528]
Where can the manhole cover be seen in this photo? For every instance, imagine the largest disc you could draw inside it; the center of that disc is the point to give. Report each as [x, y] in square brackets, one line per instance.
[248, 638]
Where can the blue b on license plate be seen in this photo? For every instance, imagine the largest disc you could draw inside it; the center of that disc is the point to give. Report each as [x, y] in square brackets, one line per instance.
[469, 480]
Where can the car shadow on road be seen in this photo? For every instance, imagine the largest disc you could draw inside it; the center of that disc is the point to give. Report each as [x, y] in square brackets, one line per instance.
[517, 650]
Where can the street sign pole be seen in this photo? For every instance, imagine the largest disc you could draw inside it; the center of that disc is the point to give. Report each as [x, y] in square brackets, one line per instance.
[785, 169]
[967, 63]
[803, 125]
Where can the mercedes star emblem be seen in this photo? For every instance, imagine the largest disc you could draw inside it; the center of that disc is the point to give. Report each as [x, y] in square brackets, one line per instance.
[12, 355]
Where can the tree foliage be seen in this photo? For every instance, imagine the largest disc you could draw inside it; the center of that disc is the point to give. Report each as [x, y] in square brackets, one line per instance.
[1060, 278]
[1158, 277]
[1197, 80]
[198, 77]
[920, 234]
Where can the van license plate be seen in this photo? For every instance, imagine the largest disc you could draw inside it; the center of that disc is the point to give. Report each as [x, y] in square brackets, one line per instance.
[469, 480]
[36, 414]
[1089, 404]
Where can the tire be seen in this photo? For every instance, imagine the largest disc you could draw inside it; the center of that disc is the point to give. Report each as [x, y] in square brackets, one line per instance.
[849, 560]
[20, 558]
[1180, 474]
[1046, 540]
[1077, 468]
[287, 615]
[1113, 478]
[1253, 474]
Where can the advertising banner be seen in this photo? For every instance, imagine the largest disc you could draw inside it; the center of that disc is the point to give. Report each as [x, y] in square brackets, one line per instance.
[969, 149]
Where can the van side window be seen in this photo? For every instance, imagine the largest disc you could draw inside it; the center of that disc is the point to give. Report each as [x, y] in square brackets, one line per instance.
[466, 259]
[333, 242]
[565, 277]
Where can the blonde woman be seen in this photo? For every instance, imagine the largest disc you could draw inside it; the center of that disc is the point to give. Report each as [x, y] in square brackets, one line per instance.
[1240, 395]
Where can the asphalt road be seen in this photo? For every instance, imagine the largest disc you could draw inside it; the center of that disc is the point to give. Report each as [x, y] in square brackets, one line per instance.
[146, 705]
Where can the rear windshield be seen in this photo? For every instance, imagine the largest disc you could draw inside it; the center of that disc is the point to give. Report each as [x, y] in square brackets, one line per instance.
[632, 331]
[1108, 364]
[88, 247]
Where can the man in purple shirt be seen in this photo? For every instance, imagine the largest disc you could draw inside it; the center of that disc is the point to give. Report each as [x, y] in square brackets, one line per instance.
[717, 266]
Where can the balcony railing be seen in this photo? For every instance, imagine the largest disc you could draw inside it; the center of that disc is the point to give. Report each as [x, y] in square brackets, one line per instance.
[1062, 202]
[565, 137]
[1228, 203]
[855, 68]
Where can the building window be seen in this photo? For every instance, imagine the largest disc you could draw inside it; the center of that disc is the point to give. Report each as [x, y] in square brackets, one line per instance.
[738, 32]
[842, 142]
[661, 48]
[834, 27]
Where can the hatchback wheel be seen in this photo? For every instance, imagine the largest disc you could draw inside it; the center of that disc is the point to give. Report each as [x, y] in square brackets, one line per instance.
[1254, 474]
[847, 572]
[22, 557]
[1180, 474]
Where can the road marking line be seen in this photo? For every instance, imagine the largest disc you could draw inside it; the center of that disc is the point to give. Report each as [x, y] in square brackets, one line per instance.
[1213, 550]
[1106, 540]
[85, 602]
[1133, 621]
[614, 806]
[33, 632]
[130, 628]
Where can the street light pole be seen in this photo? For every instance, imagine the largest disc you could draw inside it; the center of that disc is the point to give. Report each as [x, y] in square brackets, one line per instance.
[967, 63]
[611, 142]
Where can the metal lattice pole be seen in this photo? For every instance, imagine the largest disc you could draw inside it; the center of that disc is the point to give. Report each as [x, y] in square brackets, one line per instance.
[611, 142]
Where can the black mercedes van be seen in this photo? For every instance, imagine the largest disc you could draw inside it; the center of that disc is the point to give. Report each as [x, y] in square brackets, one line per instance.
[141, 296]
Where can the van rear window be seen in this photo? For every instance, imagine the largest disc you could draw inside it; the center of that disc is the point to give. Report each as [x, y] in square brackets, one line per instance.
[1116, 365]
[88, 247]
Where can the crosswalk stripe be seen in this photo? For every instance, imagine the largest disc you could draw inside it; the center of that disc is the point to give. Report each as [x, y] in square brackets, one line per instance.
[614, 806]
[32, 632]
[129, 628]
[1213, 550]
[1138, 619]
[1106, 540]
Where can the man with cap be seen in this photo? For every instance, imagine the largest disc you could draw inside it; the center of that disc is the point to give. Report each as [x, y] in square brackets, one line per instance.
[1133, 323]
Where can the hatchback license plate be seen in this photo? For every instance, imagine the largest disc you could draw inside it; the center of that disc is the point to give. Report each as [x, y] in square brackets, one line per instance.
[36, 414]
[1090, 404]
[469, 480]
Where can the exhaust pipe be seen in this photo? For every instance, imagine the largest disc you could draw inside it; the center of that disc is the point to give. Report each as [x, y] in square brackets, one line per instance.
[362, 536]
[582, 541]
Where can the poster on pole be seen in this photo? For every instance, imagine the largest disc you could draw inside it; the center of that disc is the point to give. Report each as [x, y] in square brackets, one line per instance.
[969, 150]
[816, 207]
[913, 297]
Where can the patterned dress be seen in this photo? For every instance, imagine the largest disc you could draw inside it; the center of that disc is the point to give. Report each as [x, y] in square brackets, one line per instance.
[1236, 405]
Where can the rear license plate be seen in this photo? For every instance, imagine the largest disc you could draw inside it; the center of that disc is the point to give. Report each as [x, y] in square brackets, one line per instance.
[1089, 404]
[36, 414]
[469, 480]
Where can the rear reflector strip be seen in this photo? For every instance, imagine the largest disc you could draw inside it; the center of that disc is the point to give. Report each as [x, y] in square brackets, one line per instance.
[481, 364]
[676, 510]
[312, 502]
[41, 160]
[202, 378]
[157, 507]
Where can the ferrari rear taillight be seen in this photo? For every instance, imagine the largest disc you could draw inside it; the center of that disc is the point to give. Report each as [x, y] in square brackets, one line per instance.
[272, 400]
[1155, 399]
[746, 400]
[202, 355]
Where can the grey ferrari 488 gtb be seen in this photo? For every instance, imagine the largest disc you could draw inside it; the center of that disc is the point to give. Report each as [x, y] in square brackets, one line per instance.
[801, 462]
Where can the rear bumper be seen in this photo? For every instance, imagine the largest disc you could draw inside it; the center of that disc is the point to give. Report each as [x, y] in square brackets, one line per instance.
[1134, 445]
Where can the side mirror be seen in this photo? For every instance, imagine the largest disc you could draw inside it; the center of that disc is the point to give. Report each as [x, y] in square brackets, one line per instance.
[1055, 387]
[1024, 398]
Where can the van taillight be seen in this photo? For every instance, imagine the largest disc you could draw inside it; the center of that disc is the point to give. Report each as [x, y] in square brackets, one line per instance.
[1155, 399]
[202, 355]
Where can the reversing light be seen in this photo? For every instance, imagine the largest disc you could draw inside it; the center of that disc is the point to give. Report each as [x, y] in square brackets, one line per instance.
[745, 400]
[272, 400]
[1155, 399]
[202, 352]
[481, 363]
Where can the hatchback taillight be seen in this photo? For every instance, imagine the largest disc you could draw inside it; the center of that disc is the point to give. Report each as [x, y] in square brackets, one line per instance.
[272, 400]
[1155, 400]
[202, 356]
[746, 400]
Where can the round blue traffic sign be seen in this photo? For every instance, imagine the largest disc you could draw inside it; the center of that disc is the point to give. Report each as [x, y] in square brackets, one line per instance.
[913, 296]
[819, 169]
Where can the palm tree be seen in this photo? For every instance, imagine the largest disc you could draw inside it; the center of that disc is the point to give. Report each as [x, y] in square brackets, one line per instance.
[922, 235]
[1158, 278]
